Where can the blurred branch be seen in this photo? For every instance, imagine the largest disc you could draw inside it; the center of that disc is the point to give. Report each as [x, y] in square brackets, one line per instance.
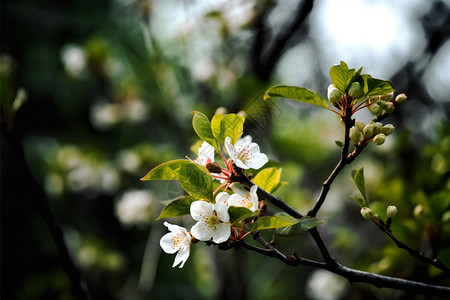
[263, 65]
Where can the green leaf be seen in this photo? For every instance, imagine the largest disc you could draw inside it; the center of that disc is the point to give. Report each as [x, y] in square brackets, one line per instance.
[177, 207]
[230, 125]
[166, 171]
[273, 222]
[358, 178]
[238, 214]
[215, 126]
[305, 224]
[194, 179]
[202, 127]
[279, 185]
[374, 87]
[196, 182]
[268, 179]
[342, 76]
[362, 202]
[339, 144]
[296, 93]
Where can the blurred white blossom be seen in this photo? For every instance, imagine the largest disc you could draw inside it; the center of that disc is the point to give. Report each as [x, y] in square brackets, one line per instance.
[135, 207]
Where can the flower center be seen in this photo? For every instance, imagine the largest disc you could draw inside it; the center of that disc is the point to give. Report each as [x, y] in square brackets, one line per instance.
[244, 154]
[213, 220]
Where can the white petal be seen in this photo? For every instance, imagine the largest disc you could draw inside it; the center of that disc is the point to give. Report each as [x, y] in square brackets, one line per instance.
[222, 212]
[240, 163]
[174, 228]
[222, 197]
[167, 243]
[221, 233]
[201, 231]
[235, 200]
[181, 257]
[258, 161]
[243, 142]
[201, 209]
[206, 152]
[232, 152]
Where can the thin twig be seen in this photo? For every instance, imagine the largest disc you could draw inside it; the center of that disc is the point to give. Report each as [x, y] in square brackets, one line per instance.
[420, 256]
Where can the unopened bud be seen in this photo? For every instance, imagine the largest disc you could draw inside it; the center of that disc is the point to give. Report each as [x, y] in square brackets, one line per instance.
[373, 99]
[389, 107]
[360, 125]
[221, 110]
[391, 211]
[375, 108]
[355, 135]
[386, 97]
[401, 98]
[377, 128]
[333, 94]
[355, 90]
[366, 212]
[368, 131]
[379, 139]
[388, 129]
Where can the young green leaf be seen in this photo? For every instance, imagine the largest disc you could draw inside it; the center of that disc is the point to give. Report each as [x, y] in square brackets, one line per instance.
[177, 207]
[202, 127]
[358, 178]
[296, 93]
[268, 179]
[194, 179]
[305, 224]
[339, 144]
[231, 125]
[238, 214]
[374, 87]
[362, 202]
[166, 171]
[342, 76]
[273, 222]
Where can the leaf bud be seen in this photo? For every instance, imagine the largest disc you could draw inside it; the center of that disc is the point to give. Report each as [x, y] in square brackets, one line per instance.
[379, 139]
[386, 97]
[360, 125]
[389, 107]
[401, 98]
[366, 213]
[355, 90]
[378, 127]
[375, 108]
[391, 211]
[368, 131]
[388, 129]
[333, 94]
[355, 135]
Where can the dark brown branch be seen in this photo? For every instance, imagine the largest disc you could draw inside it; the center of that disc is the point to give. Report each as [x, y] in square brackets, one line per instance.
[353, 275]
[420, 256]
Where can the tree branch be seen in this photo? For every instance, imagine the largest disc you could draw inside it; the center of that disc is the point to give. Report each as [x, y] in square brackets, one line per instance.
[420, 256]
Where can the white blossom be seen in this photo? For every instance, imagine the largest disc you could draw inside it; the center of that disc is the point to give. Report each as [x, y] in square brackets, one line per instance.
[247, 200]
[205, 154]
[212, 221]
[177, 240]
[246, 154]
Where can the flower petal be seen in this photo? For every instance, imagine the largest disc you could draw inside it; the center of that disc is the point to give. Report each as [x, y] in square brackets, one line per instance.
[167, 243]
[181, 257]
[222, 197]
[222, 212]
[201, 210]
[221, 233]
[201, 231]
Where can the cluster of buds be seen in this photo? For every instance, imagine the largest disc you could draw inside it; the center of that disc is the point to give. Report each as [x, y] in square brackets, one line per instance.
[384, 103]
[368, 214]
[374, 131]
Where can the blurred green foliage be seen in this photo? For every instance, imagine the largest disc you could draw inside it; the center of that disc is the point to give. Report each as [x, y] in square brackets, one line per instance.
[98, 93]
